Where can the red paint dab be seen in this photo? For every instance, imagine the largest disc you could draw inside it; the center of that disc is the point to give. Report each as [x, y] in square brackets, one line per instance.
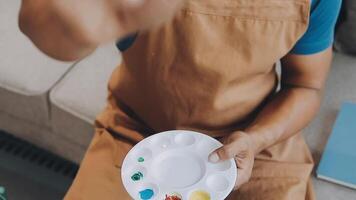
[173, 197]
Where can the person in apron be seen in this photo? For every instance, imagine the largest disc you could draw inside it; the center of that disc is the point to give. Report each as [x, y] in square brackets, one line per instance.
[212, 69]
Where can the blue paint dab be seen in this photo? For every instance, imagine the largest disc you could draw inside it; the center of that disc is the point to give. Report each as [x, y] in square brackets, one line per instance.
[146, 194]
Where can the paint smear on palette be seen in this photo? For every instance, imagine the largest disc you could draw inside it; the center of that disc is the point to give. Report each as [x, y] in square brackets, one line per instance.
[140, 159]
[146, 194]
[200, 195]
[137, 176]
[173, 196]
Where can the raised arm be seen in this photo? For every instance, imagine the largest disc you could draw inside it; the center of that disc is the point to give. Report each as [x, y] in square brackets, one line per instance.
[69, 29]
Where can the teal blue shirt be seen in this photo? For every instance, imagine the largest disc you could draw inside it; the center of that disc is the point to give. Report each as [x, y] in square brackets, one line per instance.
[320, 33]
[318, 37]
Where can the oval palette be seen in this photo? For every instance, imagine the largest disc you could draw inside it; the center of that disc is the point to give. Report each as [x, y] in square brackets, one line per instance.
[174, 165]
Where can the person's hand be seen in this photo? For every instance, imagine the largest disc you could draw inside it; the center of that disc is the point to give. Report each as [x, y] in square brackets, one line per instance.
[238, 145]
[70, 29]
[105, 20]
[136, 15]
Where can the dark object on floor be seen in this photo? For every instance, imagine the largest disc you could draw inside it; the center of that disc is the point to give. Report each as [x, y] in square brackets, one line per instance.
[30, 172]
[345, 40]
[28, 152]
[2, 193]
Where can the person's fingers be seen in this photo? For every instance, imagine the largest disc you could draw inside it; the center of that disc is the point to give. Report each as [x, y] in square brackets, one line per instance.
[243, 178]
[225, 152]
[239, 181]
[133, 3]
[143, 14]
[244, 175]
[231, 149]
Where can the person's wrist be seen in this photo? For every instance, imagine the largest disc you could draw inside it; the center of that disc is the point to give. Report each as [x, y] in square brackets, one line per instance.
[251, 140]
[257, 142]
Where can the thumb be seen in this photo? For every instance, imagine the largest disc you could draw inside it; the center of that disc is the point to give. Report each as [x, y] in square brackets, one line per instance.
[133, 3]
[223, 153]
[143, 14]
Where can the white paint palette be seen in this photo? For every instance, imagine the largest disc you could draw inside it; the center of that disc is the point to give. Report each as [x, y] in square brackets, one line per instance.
[174, 165]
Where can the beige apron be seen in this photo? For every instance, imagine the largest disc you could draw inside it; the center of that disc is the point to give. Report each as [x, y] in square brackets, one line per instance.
[211, 69]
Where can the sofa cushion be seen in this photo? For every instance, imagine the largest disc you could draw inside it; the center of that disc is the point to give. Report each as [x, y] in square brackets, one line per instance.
[41, 137]
[345, 40]
[81, 95]
[26, 74]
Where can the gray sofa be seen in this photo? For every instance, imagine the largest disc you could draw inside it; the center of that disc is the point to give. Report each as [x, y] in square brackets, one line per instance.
[49, 103]
[53, 104]
[346, 33]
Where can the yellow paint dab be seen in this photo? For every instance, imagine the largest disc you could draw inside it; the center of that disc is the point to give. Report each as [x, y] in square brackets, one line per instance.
[200, 195]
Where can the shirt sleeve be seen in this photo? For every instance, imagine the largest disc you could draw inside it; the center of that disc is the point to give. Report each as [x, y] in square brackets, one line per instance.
[126, 42]
[320, 33]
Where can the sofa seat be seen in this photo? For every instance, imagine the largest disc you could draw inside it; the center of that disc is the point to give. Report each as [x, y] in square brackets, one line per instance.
[26, 77]
[26, 74]
[80, 96]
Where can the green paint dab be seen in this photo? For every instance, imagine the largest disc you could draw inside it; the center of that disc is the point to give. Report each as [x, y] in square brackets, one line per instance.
[140, 159]
[137, 176]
